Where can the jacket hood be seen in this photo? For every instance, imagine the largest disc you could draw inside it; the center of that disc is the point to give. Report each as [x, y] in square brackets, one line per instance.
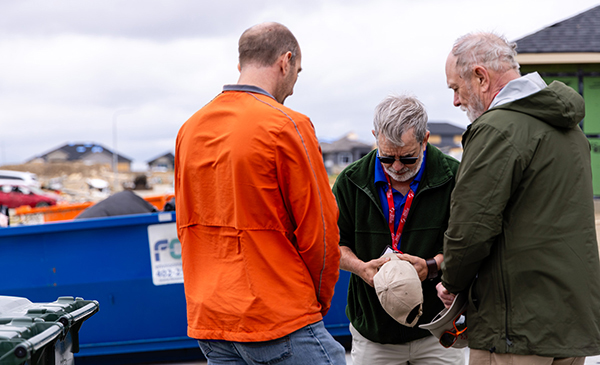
[558, 105]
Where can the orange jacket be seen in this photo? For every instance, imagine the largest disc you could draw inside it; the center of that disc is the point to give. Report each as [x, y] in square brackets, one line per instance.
[256, 219]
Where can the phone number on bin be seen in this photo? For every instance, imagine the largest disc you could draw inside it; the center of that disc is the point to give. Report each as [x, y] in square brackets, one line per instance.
[170, 272]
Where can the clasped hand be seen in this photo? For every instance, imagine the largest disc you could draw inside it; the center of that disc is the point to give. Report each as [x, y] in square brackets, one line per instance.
[370, 268]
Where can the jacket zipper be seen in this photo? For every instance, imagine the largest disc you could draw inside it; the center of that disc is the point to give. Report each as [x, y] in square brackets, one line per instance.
[375, 200]
[509, 343]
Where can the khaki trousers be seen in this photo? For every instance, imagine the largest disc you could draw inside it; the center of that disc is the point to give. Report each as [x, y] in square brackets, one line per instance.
[426, 351]
[483, 357]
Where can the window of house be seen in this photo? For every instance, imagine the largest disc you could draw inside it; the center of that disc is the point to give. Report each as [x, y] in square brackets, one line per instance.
[344, 158]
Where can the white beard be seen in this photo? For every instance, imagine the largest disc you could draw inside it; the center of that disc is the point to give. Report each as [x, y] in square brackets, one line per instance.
[474, 109]
[406, 173]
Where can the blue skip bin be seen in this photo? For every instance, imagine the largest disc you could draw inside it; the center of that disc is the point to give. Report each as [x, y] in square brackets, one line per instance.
[130, 264]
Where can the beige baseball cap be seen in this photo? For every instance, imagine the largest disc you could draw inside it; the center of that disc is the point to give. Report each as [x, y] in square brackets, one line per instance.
[399, 290]
[444, 320]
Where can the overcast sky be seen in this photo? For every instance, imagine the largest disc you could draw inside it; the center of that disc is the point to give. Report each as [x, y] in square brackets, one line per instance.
[68, 69]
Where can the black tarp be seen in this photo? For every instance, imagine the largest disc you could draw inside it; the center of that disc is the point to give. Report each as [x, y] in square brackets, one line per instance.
[122, 203]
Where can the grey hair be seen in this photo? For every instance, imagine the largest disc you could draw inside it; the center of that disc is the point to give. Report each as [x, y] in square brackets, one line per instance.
[397, 114]
[486, 49]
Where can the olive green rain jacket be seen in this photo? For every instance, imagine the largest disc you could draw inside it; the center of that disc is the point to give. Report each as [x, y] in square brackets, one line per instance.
[521, 236]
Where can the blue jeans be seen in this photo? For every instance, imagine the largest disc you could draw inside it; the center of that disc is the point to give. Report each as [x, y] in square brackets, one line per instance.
[311, 344]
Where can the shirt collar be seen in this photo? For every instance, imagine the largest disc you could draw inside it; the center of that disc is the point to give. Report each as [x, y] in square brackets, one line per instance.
[380, 175]
[246, 88]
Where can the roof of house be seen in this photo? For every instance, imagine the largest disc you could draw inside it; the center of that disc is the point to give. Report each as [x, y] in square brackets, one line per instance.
[444, 128]
[76, 151]
[346, 143]
[350, 141]
[168, 155]
[580, 33]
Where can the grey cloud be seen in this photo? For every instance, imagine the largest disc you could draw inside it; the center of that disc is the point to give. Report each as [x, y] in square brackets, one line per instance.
[155, 19]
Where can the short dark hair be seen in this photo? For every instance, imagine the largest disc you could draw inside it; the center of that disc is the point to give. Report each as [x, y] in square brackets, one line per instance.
[262, 44]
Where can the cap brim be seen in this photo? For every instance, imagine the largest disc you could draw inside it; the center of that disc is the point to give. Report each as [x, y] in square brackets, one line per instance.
[443, 321]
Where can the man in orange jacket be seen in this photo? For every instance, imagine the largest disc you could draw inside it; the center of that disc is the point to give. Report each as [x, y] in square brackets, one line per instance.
[256, 216]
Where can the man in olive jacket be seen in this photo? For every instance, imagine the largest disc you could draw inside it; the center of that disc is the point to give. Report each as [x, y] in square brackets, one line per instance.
[403, 163]
[521, 237]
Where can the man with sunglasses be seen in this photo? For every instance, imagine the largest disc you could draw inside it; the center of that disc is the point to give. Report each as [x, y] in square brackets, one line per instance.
[521, 240]
[395, 198]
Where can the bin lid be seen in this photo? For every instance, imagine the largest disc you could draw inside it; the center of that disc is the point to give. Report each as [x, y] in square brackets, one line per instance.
[12, 306]
[27, 328]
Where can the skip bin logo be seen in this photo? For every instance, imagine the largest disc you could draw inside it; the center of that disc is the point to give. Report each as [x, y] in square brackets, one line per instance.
[165, 254]
[174, 248]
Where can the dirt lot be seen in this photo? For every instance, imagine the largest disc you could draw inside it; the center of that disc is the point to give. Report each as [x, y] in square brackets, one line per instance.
[73, 180]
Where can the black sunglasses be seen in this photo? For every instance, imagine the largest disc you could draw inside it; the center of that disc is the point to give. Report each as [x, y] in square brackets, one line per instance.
[403, 160]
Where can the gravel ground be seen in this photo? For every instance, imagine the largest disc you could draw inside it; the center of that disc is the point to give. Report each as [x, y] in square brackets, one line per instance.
[594, 360]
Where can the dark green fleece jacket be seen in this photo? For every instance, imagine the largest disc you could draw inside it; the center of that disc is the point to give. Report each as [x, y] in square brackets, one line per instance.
[521, 236]
[364, 229]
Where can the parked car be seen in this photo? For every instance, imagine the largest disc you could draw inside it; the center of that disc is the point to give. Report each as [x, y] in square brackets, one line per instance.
[19, 178]
[14, 196]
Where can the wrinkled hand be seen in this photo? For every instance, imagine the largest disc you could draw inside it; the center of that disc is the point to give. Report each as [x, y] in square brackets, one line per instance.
[445, 296]
[419, 264]
[370, 268]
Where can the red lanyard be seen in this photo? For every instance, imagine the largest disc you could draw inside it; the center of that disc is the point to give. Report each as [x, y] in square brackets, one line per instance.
[392, 213]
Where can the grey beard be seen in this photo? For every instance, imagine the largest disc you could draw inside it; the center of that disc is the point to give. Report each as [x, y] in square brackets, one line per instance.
[406, 176]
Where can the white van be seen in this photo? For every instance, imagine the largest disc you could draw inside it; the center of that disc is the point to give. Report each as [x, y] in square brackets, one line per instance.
[19, 178]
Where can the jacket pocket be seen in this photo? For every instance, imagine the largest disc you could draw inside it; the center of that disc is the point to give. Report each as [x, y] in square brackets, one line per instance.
[473, 297]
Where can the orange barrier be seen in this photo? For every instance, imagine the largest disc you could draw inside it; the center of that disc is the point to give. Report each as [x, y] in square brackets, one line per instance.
[60, 212]
[159, 201]
[63, 212]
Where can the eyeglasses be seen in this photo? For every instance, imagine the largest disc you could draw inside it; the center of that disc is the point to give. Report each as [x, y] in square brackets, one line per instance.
[448, 338]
